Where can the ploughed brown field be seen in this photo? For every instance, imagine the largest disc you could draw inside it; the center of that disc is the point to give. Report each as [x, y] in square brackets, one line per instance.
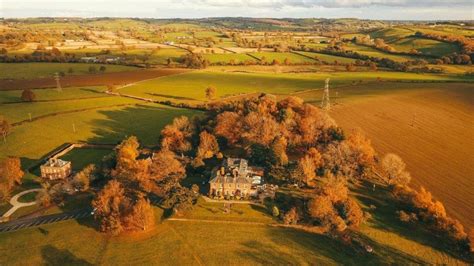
[113, 78]
[431, 126]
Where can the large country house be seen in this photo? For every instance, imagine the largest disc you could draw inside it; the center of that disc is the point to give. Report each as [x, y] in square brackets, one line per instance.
[55, 169]
[235, 178]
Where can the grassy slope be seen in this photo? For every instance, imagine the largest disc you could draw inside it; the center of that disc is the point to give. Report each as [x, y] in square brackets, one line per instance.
[376, 53]
[441, 131]
[191, 86]
[19, 111]
[392, 34]
[329, 58]
[213, 238]
[109, 125]
[81, 157]
[225, 58]
[43, 70]
[425, 46]
[53, 94]
[293, 58]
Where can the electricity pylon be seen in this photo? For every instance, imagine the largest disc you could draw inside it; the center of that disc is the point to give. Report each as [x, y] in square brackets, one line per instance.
[58, 84]
[325, 104]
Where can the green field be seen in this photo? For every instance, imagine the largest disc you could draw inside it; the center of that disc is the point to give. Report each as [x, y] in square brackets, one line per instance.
[81, 157]
[329, 58]
[226, 58]
[53, 94]
[20, 111]
[189, 87]
[31, 141]
[211, 237]
[392, 34]
[156, 56]
[45, 70]
[369, 51]
[293, 58]
[426, 46]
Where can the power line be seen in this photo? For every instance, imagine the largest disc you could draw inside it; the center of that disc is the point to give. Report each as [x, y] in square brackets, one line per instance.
[325, 103]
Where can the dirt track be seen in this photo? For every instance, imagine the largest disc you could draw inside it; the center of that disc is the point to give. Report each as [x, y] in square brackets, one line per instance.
[116, 78]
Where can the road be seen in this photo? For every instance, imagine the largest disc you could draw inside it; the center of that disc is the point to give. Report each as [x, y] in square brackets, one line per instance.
[16, 204]
[47, 219]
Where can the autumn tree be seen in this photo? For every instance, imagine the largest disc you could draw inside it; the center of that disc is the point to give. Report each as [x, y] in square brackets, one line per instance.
[279, 147]
[321, 209]
[141, 216]
[28, 95]
[352, 157]
[259, 128]
[394, 167]
[229, 126]
[82, 179]
[130, 170]
[210, 93]
[10, 174]
[110, 207]
[4, 128]
[208, 147]
[176, 136]
[352, 213]
[308, 164]
[165, 173]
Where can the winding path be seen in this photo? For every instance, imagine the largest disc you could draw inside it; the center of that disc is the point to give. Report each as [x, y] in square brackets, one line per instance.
[16, 204]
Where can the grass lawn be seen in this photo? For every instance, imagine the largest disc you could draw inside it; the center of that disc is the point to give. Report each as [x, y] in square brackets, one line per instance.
[189, 87]
[392, 34]
[54, 95]
[426, 46]
[208, 242]
[29, 197]
[81, 157]
[369, 51]
[329, 58]
[156, 56]
[293, 58]
[240, 212]
[46, 70]
[31, 141]
[20, 111]
[226, 58]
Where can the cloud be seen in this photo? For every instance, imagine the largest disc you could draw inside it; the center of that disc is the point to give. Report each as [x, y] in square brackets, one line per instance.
[330, 3]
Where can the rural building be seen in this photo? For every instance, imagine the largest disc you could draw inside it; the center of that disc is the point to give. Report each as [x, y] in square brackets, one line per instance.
[89, 59]
[55, 169]
[236, 178]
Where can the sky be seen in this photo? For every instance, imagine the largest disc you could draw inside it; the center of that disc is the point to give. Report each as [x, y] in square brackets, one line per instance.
[368, 9]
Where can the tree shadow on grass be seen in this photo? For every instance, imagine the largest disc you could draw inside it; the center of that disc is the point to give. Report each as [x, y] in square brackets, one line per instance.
[385, 218]
[171, 96]
[54, 256]
[143, 121]
[321, 248]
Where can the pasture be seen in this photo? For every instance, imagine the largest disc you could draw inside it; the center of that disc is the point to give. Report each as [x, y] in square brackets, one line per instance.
[435, 118]
[108, 125]
[227, 58]
[231, 239]
[45, 70]
[426, 46]
[328, 58]
[114, 78]
[190, 87]
[281, 57]
[372, 52]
